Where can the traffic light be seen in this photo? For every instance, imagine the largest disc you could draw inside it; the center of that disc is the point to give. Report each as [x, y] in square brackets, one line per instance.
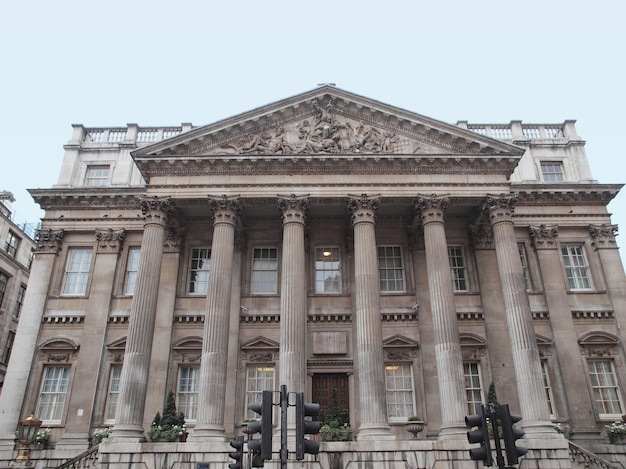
[263, 446]
[306, 427]
[480, 435]
[510, 434]
[238, 454]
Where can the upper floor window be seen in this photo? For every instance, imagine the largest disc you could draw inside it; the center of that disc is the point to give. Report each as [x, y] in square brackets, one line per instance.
[605, 390]
[391, 269]
[4, 280]
[77, 270]
[327, 270]
[399, 391]
[97, 175]
[113, 393]
[132, 266]
[188, 389]
[11, 244]
[8, 347]
[53, 393]
[264, 271]
[457, 266]
[552, 171]
[259, 378]
[521, 248]
[19, 302]
[473, 387]
[199, 269]
[576, 267]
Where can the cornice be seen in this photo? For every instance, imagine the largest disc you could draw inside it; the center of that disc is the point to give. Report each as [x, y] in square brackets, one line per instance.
[565, 194]
[88, 199]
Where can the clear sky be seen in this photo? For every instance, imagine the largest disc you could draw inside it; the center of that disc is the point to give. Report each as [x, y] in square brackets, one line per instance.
[163, 63]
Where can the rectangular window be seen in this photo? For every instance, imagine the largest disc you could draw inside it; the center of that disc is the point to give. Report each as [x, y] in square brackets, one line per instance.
[20, 301]
[188, 388]
[113, 393]
[259, 378]
[77, 270]
[132, 266]
[473, 388]
[199, 270]
[264, 271]
[525, 270]
[391, 269]
[53, 393]
[605, 391]
[552, 171]
[8, 347]
[327, 270]
[576, 267]
[399, 390]
[97, 175]
[457, 266]
[4, 280]
[548, 388]
[11, 244]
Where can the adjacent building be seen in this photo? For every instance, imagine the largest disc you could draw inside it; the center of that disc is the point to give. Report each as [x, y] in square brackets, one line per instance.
[336, 245]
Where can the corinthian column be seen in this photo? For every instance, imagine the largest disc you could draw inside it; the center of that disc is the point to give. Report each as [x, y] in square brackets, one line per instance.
[213, 368]
[134, 377]
[367, 321]
[523, 342]
[16, 378]
[293, 313]
[445, 324]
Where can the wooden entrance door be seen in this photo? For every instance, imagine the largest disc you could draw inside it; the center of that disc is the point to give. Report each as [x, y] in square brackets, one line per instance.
[323, 385]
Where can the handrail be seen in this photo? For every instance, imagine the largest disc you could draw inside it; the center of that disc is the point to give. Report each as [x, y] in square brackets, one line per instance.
[587, 459]
[85, 459]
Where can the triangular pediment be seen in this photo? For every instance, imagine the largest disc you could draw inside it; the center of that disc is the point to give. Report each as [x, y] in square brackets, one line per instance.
[399, 341]
[326, 121]
[260, 343]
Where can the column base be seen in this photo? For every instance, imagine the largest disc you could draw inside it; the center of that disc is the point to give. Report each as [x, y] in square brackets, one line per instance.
[540, 429]
[127, 434]
[372, 431]
[453, 431]
[207, 432]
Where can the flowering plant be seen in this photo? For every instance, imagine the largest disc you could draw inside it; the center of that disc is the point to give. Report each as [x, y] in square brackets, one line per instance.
[43, 435]
[100, 434]
[616, 430]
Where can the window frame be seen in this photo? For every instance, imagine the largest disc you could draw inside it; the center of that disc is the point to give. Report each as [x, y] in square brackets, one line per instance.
[331, 249]
[110, 407]
[19, 301]
[255, 395]
[192, 272]
[523, 255]
[4, 284]
[130, 270]
[383, 270]
[12, 243]
[547, 385]
[472, 404]
[614, 386]
[455, 269]
[392, 390]
[92, 179]
[58, 405]
[192, 395]
[8, 347]
[547, 175]
[574, 280]
[83, 275]
[254, 272]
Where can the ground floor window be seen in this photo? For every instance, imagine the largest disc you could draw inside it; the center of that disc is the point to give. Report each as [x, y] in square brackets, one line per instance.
[473, 387]
[259, 378]
[605, 390]
[187, 395]
[399, 390]
[53, 393]
[113, 393]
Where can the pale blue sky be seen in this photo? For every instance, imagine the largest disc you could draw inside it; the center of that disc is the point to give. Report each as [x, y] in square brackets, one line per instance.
[163, 63]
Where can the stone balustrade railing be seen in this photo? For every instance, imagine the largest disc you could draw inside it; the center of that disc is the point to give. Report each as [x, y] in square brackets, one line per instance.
[518, 132]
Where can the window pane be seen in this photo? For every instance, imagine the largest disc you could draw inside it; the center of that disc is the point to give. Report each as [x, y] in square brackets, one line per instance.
[199, 270]
[132, 266]
[391, 269]
[53, 392]
[605, 391]
[4, 280]
[552, 171]
[77, 272]
[524, 260]
[473, 388]
[399, 391]
[264, 271]
[259, 378]
[576, 267]
[10, 246]
[187, 396]
[457, 267]
[97, 176]
[113, 393]
[327, 270]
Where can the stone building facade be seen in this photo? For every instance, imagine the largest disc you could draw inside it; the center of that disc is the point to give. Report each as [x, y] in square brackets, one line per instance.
[325, 242]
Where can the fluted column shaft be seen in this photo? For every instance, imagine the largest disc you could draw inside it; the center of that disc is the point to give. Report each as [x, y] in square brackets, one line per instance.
[523, 341]
[213, 368]
[18, 370]
[367, 321]
[445, 324]
[293, 314]
[136, 367]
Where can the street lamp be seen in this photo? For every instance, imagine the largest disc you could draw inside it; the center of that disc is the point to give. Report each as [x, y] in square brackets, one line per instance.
[26, 433]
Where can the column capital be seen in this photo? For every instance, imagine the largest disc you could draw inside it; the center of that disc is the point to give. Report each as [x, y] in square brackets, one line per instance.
[49, 241]
[362, 207]
[431, 207]
[174, 239]
[500, 207]
[156, 209]
[544, 236]
[109, 241]
[481, 235]
[603, 236]
[294, 208]
[226, 209]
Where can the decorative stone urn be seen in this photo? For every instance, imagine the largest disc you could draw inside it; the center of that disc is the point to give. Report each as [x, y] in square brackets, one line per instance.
[414, 427]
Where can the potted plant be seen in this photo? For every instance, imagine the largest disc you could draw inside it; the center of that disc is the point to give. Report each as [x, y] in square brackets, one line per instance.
[335, 424]
[170, 425]
[414, 425]
[42, 437]
[616, 431]
[100, 434]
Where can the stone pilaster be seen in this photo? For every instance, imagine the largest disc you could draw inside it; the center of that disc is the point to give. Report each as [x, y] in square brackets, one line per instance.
[367, 321]
[136, 367]
[523, 343]
[213, 369]
[445, 324]
[16, 379]
[293, 313]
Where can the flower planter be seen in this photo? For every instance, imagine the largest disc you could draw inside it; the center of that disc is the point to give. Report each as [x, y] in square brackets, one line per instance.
[414, 427]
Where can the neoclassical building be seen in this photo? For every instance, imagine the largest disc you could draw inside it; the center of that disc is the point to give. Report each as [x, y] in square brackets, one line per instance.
[323, 242]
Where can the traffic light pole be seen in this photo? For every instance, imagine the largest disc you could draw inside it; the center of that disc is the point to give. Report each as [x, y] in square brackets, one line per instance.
[492, 412]
[284, 405]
